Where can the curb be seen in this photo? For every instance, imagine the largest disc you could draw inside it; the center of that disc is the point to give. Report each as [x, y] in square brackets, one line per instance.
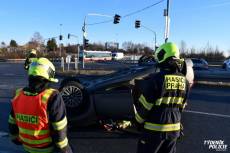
[211, 83]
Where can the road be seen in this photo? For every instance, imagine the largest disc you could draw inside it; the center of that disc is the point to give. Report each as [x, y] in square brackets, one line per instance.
[207, 118]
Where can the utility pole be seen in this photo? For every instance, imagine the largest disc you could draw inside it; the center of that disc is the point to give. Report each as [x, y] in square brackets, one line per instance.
[167, 21]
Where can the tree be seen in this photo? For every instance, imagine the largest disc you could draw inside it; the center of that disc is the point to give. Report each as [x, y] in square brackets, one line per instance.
[148, 50]
[13, 43]
[128, 46]
[3, 44]
[37, 38]
[51, 45]
[183, 46]
[36, 41]
[97, 46]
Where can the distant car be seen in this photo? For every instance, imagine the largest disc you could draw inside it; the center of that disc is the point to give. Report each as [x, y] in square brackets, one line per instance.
[90, 99]
[226, 64]
[199, 64]
[117, 55]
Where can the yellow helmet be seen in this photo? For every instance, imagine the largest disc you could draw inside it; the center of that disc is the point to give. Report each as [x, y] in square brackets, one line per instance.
[165, 51]
[44, 68]
[33, 51]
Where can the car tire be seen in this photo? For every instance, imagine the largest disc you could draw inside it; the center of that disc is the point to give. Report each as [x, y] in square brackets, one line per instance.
[74, 97]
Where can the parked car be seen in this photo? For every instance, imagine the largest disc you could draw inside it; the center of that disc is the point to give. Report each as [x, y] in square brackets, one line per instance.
[95, 98]
[199, 64]
[226, 64]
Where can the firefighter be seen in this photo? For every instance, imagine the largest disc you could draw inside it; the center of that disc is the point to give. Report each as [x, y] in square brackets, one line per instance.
[38, 115]
[159, 104]
[32, 55]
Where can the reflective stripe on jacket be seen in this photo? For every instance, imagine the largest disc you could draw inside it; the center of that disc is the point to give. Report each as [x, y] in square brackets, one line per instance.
[160, 102]
[31, 117]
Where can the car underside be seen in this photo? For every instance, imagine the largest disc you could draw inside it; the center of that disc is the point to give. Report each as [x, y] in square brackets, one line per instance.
[90, 99]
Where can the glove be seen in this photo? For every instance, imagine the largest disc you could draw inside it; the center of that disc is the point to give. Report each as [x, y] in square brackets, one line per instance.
[124, 124]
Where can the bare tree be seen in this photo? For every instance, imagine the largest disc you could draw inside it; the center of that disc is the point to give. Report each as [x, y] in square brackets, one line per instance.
[183, 47]
[36, 41]
[3, 44]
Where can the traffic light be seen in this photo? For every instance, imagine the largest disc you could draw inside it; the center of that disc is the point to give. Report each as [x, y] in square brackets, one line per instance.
[86, 43]
[60, 37]
[68, 35]
[116, 19]
[137, 24]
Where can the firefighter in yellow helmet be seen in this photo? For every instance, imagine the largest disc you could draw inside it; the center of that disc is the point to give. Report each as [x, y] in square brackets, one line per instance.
[30, 57]
[162, 97]
[38, 115]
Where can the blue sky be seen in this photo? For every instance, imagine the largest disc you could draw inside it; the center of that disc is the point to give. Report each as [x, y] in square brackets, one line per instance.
[197, 22]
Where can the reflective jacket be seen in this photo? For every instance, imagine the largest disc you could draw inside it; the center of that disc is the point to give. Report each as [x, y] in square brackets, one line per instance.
[161, 98]
[36, 131]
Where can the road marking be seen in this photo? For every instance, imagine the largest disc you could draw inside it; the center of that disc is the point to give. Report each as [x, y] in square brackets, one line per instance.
[210, 114]
[8, 74]
[3, 134]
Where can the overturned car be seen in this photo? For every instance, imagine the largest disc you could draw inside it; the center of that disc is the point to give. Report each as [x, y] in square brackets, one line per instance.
[93, 98]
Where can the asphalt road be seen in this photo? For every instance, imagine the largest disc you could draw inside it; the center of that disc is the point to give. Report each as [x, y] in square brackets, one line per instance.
[207, 118]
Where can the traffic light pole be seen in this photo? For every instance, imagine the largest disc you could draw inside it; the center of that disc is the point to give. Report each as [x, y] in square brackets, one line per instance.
[155, 35]
[167, 21]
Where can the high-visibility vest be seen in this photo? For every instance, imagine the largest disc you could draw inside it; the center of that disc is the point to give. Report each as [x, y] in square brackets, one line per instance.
[32, 120]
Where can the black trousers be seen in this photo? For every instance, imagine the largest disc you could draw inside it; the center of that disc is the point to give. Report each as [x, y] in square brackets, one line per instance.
[155, 144]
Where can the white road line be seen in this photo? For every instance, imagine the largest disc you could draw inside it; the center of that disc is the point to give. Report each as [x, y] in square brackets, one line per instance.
[210, 114]
[3, 134]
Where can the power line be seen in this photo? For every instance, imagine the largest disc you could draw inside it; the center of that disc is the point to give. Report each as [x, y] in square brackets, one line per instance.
[129, 14]
[143, 9]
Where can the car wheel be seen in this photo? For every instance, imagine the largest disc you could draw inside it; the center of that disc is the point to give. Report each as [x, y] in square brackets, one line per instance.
[74, 97]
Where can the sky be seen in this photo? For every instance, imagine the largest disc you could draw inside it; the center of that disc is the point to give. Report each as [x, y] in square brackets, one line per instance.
[197, 22]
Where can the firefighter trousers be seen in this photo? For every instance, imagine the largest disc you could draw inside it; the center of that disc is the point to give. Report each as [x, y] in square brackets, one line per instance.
[147, 144]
